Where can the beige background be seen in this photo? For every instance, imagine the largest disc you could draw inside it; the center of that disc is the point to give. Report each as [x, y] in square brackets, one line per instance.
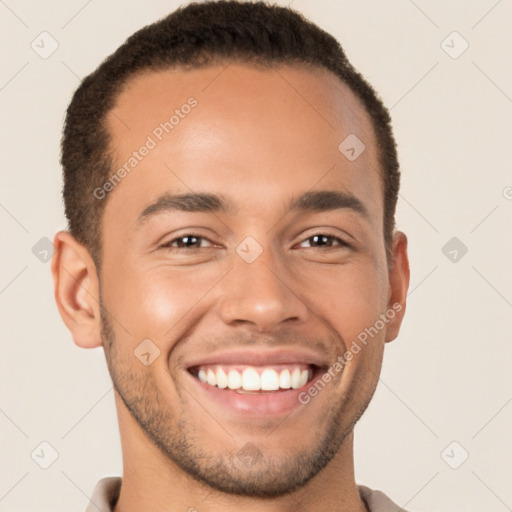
[447, 377]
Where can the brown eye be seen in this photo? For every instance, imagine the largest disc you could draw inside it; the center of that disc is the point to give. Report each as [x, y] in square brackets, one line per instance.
[323, 240]
[189, 242]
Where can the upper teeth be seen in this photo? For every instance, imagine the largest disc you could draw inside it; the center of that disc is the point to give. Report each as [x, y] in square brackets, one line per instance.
[255, 379]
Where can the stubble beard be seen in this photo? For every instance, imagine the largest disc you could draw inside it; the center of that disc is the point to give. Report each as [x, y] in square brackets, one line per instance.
[245, 471]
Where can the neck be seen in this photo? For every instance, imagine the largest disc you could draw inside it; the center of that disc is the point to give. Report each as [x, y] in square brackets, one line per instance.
[151, 482]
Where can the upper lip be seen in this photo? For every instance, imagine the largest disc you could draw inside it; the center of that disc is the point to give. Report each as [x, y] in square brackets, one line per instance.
[260, 357]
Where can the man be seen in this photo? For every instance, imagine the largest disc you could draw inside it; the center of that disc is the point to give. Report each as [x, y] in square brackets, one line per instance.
[230, 183]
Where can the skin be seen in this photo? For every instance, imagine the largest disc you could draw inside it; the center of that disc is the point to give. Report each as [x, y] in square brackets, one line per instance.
[257, 141]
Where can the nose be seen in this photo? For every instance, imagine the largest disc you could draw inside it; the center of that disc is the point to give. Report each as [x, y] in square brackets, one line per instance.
[260, 294]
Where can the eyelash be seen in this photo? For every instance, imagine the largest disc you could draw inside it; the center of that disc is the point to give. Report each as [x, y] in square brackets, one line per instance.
[341, 242]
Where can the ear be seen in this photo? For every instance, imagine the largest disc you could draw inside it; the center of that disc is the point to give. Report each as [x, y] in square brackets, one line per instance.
[76, 289]
[399, 274]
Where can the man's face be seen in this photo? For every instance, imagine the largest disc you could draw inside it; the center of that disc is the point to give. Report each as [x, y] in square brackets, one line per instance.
[260, 288]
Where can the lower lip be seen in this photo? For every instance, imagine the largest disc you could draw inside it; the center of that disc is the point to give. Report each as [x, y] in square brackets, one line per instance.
[257, 404]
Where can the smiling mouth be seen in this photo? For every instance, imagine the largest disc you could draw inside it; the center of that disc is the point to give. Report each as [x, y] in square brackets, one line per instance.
[245, 379]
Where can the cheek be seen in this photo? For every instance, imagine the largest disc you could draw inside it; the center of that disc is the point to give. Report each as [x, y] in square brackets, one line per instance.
[360, 322]
[160, 303]
[156, 303]
[351, 302]
[350, 298]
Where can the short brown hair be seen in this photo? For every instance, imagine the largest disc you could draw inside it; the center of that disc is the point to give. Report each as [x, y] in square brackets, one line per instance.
[198, 35]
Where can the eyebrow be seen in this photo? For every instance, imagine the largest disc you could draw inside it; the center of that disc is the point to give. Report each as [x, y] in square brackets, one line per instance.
[314, 201]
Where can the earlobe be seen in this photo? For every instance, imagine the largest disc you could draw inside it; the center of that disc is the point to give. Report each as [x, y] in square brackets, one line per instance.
[76, 290]
[399, 275]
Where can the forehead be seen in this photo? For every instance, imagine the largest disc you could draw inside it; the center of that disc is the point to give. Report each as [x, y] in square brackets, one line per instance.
[253, 134]
[275, 93]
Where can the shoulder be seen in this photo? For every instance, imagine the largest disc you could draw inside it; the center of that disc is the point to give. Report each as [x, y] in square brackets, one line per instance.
[377, 501]
[105, 494]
